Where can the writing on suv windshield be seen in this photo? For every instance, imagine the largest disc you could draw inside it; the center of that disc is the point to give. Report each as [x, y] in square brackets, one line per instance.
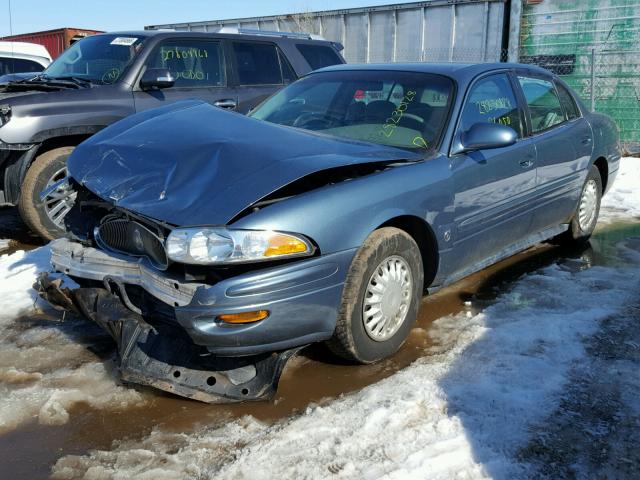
[400, 109]
[100, 59]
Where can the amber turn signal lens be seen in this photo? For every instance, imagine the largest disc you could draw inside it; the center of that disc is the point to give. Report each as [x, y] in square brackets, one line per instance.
[284, 245]
[244, 317]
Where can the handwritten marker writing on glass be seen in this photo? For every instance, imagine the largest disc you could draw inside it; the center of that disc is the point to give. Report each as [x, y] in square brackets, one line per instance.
[420, 142]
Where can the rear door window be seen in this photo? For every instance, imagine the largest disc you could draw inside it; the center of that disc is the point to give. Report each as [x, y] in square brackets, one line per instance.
[492, 100]
[544, 104]
[193, 62]
[318, 56]
[259, 64]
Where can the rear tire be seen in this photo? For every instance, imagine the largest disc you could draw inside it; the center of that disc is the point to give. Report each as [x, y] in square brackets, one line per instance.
[41, 216]
[381, 297]
[585, 217]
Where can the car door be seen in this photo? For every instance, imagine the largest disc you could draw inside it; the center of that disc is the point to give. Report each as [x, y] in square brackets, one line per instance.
[260, 69]
[199, 68]
[493, 187]
[564, 144]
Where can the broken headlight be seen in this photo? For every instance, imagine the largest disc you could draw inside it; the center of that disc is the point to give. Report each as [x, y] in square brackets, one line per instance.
[206, 246]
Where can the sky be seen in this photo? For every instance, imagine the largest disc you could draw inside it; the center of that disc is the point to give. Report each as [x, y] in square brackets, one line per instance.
[34, 15]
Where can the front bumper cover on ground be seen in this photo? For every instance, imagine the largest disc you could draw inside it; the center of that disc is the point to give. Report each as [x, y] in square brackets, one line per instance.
[163, 356]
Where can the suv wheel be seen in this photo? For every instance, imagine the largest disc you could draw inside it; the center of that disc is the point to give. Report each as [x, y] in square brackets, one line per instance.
[380, 299]
[46, 216]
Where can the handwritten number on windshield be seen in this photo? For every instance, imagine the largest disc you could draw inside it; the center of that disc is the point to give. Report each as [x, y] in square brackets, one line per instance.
[391, 123]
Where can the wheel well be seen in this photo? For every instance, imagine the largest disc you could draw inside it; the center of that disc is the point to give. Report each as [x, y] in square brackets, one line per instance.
[603, 168]
[423, 235]
[58, 142]
[16, 169]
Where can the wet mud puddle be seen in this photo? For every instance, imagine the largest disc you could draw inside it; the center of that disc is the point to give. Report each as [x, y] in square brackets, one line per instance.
[312, 377]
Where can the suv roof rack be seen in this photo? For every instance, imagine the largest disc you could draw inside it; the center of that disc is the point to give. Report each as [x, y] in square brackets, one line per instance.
[270, 33]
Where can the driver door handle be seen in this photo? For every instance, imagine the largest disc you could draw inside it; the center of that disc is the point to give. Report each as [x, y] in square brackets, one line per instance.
[526, 163]
[226, 103]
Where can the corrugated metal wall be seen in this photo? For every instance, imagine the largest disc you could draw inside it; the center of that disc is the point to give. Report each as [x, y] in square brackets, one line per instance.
[594, 39]
[439, 30]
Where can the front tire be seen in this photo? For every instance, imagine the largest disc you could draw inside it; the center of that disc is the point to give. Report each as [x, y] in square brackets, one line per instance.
[381, 297]
[585, 217]
[46, 218]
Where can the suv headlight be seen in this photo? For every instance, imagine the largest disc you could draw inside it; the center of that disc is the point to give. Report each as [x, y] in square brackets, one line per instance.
[207, 246]
[5, 114]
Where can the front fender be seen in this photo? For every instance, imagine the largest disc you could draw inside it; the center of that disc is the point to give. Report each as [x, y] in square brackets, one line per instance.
[341, 216]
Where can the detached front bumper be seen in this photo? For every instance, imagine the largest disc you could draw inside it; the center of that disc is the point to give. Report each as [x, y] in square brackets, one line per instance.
[189, 352]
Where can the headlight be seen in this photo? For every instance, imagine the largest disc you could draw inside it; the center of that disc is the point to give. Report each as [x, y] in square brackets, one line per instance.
[206, 246]
[5, 114]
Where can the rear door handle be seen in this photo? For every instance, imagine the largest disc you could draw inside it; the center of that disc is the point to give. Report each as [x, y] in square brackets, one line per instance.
[586, 141]
[226, 103]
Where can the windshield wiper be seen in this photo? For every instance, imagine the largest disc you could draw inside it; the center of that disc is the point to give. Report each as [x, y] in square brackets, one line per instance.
[78, 80]
[46, 81]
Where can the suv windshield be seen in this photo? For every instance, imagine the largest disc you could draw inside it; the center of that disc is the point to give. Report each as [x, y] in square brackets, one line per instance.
[400, 109]
[101, 59]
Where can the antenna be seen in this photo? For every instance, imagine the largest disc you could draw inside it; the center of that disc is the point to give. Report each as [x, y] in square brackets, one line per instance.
[13, 56]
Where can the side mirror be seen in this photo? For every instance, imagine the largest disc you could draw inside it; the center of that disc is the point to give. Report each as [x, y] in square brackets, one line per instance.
[483, 136]
[157, 78]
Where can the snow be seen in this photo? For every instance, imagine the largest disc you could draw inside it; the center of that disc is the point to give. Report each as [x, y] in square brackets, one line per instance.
[623, 198]
[45, 369]
[464, 410]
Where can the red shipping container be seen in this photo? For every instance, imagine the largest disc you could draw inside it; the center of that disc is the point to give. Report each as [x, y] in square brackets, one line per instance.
[56, 41]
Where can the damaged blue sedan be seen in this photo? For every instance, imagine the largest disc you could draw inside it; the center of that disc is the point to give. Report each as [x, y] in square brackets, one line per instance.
[212, 246]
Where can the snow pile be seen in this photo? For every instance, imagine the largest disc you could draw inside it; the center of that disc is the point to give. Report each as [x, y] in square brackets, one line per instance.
[623, 199]
[45, 367]
[464, 413]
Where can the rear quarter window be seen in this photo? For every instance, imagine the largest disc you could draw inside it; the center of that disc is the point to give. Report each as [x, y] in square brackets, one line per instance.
[318, 56]
[567, 102]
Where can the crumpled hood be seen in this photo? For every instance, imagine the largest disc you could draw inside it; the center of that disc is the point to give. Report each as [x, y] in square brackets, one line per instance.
[190, 163]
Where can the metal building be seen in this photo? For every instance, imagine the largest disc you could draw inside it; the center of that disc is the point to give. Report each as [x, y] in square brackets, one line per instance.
[436, 30]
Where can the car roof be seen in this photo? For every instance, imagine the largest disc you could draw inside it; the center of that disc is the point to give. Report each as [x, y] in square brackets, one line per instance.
[267, 36]
[24, 48]
[459, 71]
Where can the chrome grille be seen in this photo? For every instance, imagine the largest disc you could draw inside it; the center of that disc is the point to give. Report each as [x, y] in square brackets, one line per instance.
[131, 238]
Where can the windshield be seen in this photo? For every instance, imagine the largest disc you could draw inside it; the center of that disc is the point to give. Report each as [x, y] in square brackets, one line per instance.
[101, 59]
[400, 109]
